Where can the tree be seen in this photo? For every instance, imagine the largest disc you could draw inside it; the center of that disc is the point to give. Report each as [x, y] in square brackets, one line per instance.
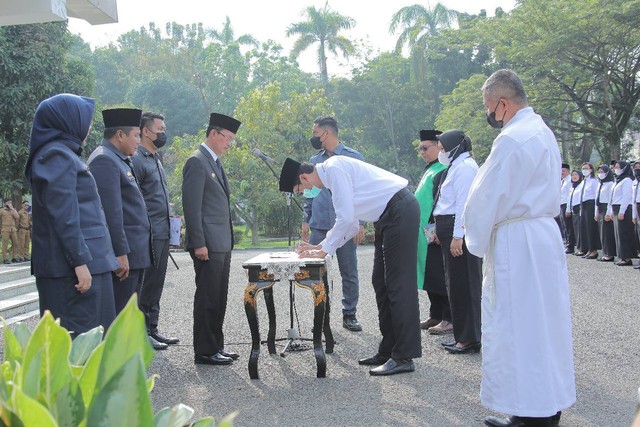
[582, 58]
[322, 26]
[36, 62]
[418, 25]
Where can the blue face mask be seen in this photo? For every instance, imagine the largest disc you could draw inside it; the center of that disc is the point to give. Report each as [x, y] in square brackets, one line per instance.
[310, 194]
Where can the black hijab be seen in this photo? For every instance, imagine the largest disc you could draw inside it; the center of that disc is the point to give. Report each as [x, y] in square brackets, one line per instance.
[626, 171]
[63, 118]
[609, 175]
[580, 177]
[455, 142]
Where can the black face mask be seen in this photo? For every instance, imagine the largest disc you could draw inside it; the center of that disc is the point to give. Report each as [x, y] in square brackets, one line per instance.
[315, 142]
[636, 172]
[161, 139]
[491, 118]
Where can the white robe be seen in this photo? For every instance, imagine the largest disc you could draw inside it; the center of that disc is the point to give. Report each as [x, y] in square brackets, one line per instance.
[527, 348]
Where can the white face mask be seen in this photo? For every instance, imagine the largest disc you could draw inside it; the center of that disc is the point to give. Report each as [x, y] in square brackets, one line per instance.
[617, 171]
[443, 158]
[586, 172]
[602, 175]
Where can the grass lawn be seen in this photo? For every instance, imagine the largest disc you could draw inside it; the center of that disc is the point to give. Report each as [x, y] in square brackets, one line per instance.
[245, 243]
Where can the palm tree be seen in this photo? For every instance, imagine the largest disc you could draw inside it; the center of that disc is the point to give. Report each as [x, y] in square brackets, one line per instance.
[322, 26]
[226, 36]
[418, 24]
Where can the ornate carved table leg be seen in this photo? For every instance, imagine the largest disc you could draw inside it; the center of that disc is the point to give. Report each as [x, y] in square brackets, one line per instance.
[319, 300]
[328, 335]
[250, 294]
[271, 310]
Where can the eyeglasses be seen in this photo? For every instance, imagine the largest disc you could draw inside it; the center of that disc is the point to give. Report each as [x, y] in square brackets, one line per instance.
[229, 138]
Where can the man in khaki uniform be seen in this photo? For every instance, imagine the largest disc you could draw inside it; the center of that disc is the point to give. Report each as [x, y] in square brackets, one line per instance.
[8, 217]
[24, 232]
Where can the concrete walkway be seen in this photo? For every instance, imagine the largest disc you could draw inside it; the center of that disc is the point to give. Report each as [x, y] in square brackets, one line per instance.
[442, 392]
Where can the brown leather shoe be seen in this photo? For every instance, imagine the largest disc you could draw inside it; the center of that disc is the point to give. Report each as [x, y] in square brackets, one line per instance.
[426, 324]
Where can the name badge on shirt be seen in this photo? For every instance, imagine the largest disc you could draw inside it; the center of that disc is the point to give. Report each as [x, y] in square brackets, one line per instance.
[130, 176]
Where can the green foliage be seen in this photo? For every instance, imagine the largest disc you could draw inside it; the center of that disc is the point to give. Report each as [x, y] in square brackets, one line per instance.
[463, 109]
[50, 380]
[36, 61]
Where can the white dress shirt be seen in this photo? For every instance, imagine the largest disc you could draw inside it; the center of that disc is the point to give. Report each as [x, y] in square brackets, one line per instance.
[622, 195]
[454, 191]
[565, 190]
[574, 197]
[214, 155]
[589, 188]
[605, 189]
[359, 192]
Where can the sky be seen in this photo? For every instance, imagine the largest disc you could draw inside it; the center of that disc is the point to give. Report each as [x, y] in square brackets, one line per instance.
[269, 19]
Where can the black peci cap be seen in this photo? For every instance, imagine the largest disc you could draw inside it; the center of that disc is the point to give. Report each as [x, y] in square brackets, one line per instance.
[121, 117]
[289, 175]
[224, 122]
[429, 135]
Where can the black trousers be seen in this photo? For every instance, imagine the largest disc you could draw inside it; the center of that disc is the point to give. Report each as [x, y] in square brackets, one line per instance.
[464, 281]
[394, 277]
[589, 235]
[123, 290]
[570, 237]
[607, 233]
[210, 301]
[78, 313]
[624, 233]
[435, 284]
[153, 285]
[575, 220]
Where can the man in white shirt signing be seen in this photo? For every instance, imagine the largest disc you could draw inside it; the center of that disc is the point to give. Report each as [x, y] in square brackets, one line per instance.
[363, 192]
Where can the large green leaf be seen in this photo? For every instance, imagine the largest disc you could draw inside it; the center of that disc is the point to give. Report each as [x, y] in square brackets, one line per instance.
[123, 400]
[12, 349]
[126, 336]
[30, 412]
[6, 378]
[45, 365]
[69, 408]
[177, 416]
[204, 422]
[22, 333]
[90, 374]
[8, 417]
[84, 344]
[228, 420]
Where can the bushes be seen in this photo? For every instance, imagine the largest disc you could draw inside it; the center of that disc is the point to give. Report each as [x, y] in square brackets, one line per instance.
[49, 380]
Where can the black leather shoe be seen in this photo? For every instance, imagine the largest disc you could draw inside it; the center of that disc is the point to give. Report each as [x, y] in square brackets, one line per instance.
[6, 261]
[568, 251]
[624, 263]
[447, 343]
[591, 256]
[161, 338]
[393, 366]
[230, 354]
[351, 323]
[376, 360]
[605, 259]
[504, 422]
[215, 359]
[157, 345]
[471, 347]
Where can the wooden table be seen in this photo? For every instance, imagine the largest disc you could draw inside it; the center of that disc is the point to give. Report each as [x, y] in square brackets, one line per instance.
[264, 271]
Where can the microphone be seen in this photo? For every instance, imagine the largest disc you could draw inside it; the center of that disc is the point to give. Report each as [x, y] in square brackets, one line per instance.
[256, 152]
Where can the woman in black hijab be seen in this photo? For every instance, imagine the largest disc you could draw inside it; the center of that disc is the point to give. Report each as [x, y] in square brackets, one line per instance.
[573, 212]
[72, 258]
[607, 234]
[620, 210]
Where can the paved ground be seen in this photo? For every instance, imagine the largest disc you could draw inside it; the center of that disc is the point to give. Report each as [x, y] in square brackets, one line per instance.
[442, 392]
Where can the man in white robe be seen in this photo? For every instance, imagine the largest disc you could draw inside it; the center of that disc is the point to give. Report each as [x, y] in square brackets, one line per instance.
[527, 366]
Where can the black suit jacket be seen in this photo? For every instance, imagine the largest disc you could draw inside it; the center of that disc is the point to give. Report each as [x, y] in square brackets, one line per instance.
[123, 204]
[205, 203]
[69, 226]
